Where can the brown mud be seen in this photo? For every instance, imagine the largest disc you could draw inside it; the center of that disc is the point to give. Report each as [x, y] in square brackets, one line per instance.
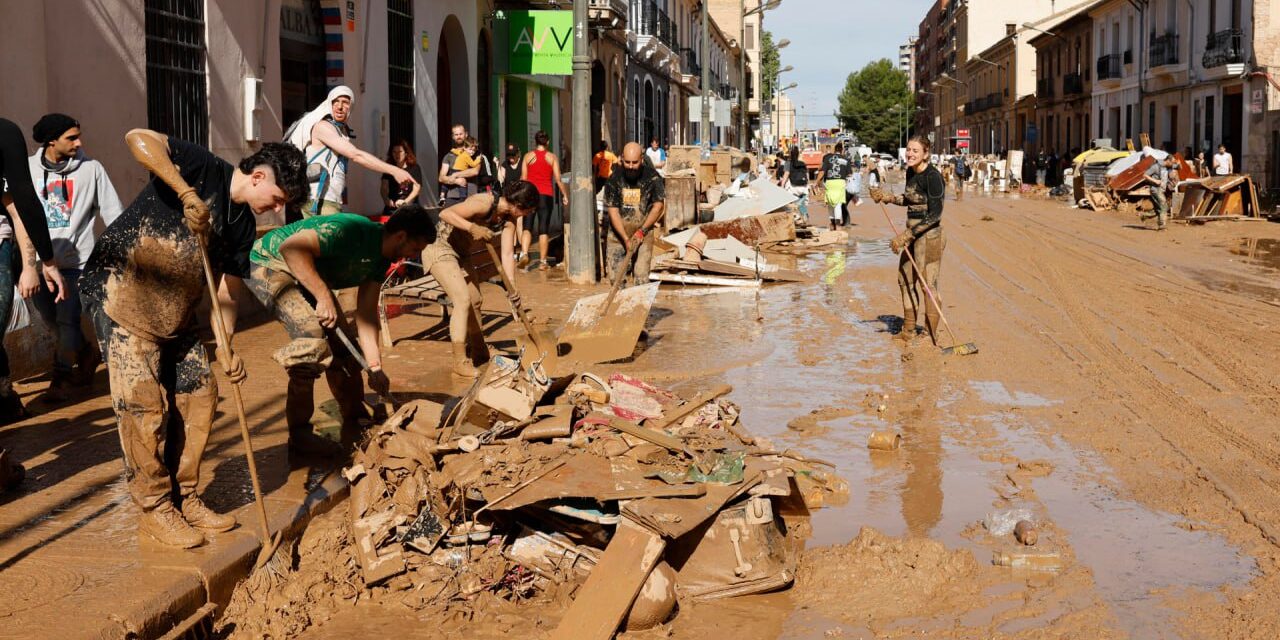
[1124, 395]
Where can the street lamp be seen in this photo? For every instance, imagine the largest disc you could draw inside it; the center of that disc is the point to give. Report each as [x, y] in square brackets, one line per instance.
[766, 5]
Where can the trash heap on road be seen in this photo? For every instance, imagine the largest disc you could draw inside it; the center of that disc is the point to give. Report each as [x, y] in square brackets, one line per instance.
[609, 494]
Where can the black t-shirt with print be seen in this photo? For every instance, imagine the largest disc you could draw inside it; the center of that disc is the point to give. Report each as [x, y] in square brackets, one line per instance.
[835, 167]
[635, 199]
[146, 267]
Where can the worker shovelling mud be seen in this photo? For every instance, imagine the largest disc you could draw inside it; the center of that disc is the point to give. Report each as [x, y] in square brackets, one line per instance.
[634, 200]
[458, 262]
[141, 287]
[922, 239]
[303, 264]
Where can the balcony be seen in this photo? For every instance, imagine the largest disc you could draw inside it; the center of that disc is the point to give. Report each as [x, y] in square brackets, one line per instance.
[690, 70]
[655, 36]
[1072, 84]
[1044, 88]
[1223, 54]
[1109, 70]
[1163, 53]
[609, 14]
[995, 100]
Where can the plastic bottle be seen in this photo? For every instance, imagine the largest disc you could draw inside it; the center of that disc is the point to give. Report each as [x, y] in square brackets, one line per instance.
[1032, 561]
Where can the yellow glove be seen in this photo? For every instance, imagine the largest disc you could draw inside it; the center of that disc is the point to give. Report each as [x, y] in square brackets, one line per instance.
[901, 241]
[480, 232]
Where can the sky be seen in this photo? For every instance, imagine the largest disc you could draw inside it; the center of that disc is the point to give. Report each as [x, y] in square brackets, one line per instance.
[831, 39]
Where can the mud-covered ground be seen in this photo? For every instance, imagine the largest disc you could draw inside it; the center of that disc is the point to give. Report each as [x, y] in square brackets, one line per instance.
[1125, 393]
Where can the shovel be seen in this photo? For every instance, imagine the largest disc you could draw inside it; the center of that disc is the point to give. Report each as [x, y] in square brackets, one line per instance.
[387, 399]
[956, 348]
[269, 543]
[596, 331]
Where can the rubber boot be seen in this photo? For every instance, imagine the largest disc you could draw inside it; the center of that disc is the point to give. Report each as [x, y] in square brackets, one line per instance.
[298, 407]
[200, 516]
[462, 366]
[908, 330]
[347, 386]
[11, 471]
[166, 526]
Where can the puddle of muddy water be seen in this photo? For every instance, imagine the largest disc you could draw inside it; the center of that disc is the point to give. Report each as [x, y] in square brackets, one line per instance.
[1261, 252]
[940, 482]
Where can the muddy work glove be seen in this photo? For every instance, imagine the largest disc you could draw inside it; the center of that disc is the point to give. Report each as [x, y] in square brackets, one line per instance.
[901, 241]
[195, 211]
[232, 365]
[379, 382]
[480, 232]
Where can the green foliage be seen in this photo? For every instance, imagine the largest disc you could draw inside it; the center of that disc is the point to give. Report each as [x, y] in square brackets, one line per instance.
[769, 65]
[875, 104]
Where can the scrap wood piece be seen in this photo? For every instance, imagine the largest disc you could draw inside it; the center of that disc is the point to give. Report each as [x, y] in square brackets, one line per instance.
[722, 281]
[694, 403]
[375, 566]
[674, 517]
[590, 476]
[613, 584]
[648, 435]
[1133, 176]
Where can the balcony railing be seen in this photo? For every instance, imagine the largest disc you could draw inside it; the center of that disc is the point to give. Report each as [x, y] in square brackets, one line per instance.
[1224, 47]
[1072, 84]
[689, 62]
[1109, 67]
[654, 22]
[1128, 56]
[994, 100]
[1164, 50]
[1044, 88]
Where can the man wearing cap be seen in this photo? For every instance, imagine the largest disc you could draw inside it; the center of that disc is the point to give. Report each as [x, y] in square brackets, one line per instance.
[325, 139]
[75, 191]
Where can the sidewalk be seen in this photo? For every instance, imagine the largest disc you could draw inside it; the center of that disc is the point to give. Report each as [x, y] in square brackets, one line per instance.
[72, 564]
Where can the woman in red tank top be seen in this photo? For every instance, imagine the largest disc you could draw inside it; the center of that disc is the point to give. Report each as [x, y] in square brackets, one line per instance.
[542, 168]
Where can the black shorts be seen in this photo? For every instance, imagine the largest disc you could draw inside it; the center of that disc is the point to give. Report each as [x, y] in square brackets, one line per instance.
[545, 220]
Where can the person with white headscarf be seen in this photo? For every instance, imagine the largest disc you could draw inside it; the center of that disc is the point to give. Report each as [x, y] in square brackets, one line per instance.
[325, 139]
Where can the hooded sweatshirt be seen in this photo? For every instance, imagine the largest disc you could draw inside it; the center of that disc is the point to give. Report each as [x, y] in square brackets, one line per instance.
[73, 193]
[329, 166]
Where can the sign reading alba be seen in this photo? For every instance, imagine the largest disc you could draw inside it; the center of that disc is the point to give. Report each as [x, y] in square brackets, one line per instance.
[536, 42]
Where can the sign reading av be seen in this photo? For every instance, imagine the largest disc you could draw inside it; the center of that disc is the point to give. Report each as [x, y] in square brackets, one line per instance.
[534, 42]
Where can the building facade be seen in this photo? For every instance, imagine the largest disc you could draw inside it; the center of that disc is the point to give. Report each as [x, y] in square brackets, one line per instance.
[1064, 83]
[907, 60]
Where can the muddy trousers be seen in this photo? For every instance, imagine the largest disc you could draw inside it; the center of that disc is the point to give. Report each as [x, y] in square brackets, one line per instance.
[927, 250]
[464, 297]
[309, 353]
[162, 450]
[616, 253]
[1161, 204]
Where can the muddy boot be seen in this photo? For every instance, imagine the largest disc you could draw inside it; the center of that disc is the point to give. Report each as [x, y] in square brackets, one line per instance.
[59, 390]
[908, 331]
[298, 407]
[462, 366]
[86, 366]
[11, 471]
[200, 516]
[11, 409]
[166, 526]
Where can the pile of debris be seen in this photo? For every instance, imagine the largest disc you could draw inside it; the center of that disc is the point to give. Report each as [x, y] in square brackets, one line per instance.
[1219, 198]
[609, 494]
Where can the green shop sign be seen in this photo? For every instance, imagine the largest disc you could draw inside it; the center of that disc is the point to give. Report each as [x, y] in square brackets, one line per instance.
[534, 42]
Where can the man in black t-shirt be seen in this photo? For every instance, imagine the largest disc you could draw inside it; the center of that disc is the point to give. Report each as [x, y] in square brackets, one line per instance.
[634, 199]
[141, 286]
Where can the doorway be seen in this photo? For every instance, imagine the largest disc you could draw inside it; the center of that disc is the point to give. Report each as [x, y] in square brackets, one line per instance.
[302, 65]
[1233, 124]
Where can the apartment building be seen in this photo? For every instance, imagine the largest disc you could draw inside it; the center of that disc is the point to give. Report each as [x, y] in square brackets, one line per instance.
[1064, 69]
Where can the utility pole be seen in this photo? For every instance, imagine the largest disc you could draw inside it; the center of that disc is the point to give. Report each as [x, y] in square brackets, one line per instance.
[582, 219]
[704, 125]
[742, 74]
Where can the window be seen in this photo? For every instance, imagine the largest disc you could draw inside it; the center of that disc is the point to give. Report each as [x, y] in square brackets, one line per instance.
[177, 93]
[1128, 121]
[1171, 20]
[400, 70]
[1151, 119]
[1195, 125]
[1213, 16]
[1010, 28]
[1235, 14]
[751, 36]
[1208, 123]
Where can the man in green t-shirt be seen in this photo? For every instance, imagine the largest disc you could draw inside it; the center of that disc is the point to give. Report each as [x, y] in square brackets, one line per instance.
[302, 264]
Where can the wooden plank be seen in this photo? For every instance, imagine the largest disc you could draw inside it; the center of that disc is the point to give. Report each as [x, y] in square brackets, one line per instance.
[723, 281]
[689, 407]
[613, 584]
[648, 435]
[1233, 204]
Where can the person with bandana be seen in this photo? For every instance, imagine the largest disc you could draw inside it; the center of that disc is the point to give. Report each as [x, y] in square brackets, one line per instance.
[324, 136]
[635, 200]
[75, 192]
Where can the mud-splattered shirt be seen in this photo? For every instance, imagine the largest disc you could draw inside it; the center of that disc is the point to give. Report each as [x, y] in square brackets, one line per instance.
[146, 267]
[350, 249]
[923, 197]
[634, 199]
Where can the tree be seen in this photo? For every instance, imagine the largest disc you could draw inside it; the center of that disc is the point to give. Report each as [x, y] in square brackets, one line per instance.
[769, 65]
[876, 103]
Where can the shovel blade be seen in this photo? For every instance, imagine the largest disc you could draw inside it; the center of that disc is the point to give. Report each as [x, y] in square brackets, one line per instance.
[966, 349]
[590, 338]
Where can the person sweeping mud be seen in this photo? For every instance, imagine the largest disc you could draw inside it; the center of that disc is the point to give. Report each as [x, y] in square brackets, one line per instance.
[635, 200]
[141, 286]
[923, 197]
[296, 270]
[458, 261]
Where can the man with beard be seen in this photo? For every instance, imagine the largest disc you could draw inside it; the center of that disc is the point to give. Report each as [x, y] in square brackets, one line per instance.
[635, 199]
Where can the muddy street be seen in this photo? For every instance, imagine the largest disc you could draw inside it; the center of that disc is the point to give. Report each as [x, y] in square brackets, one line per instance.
[1122, 397]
